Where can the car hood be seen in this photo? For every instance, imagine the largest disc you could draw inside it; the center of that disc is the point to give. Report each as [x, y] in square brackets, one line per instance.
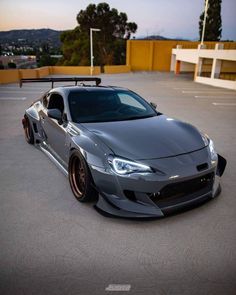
[149, 138]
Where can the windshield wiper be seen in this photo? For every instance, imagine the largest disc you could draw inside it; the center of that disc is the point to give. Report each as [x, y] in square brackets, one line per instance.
[136, 117]
[121, 119]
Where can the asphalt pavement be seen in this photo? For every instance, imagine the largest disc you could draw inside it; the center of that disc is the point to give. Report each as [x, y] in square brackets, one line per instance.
[52, 244]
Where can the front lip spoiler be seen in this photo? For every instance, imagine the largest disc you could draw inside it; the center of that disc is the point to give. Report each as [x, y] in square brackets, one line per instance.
[106, 206]
[108, 209]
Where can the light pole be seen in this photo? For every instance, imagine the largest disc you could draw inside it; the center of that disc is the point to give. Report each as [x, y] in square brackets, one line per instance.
[91, 49]
[204, 21]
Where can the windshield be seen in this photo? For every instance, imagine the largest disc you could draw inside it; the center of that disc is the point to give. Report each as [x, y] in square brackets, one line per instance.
[107, 105]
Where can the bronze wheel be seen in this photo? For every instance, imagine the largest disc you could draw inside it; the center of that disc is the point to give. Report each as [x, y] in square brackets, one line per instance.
[29, 135]
[80, 178]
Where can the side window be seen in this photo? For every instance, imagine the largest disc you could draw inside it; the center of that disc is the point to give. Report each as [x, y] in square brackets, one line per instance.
[128, 100]
[56, 102]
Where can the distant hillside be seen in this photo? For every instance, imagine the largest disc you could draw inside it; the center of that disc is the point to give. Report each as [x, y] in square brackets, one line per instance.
[155, 37]
[31, 36]
[158, 37]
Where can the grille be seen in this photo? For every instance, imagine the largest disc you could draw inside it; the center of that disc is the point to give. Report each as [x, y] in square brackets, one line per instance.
[179, 190]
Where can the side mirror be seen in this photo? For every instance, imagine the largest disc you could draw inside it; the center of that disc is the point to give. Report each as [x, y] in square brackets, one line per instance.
[55, 114]
[153, 105]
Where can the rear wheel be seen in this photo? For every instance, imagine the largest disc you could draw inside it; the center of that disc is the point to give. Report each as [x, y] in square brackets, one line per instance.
[80, 178]
[29, 134]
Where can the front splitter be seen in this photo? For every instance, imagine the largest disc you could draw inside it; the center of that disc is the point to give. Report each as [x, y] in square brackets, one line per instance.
[107, 208]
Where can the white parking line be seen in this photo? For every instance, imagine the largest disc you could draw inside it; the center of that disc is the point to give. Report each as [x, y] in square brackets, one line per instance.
[22, 88]
[20, 91]
[188, 88]
[224, 104]
[216, 92]
[215, 96]
[12, 98]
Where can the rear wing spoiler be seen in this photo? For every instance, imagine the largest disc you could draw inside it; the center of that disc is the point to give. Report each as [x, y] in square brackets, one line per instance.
[53, 80]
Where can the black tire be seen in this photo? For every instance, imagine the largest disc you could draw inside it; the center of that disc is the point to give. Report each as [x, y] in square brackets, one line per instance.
[29, 134]
[80, 178]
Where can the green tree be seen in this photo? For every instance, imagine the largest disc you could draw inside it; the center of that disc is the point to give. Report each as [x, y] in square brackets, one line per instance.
[44, 58]
[109, 43]
[11, 65]
[213, 27]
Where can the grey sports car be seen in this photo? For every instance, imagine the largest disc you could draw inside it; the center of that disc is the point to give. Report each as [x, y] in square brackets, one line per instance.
[117, 149]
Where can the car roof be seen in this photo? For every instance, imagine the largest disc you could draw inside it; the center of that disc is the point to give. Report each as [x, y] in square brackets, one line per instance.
[83, 88]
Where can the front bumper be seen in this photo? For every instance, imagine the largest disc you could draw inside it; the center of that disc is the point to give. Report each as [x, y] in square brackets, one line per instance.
[113, 206]
[156, 195]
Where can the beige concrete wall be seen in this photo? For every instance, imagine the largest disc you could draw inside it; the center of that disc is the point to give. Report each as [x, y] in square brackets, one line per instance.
[217, 82]
[187, 67]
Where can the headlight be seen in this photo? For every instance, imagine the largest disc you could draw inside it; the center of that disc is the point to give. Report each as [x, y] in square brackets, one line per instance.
[208, 142]
[205, 138]
[122, 166]
[212, 150]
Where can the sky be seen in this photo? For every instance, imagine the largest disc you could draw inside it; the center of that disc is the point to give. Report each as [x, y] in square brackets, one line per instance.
[169, 18]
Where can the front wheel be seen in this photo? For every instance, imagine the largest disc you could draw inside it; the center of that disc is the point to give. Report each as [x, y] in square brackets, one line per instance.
[80, 178]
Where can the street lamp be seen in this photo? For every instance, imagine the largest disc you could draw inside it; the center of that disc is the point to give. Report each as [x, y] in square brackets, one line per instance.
[91, 49]
[204, 21]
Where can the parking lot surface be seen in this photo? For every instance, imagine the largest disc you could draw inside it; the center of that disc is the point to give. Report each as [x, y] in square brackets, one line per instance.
[52, 244]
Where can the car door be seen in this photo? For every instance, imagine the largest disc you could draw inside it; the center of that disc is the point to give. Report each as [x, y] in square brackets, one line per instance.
[55, 131]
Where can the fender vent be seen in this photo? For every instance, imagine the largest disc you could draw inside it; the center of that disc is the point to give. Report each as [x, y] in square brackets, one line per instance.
[130, 195]
[202, 167]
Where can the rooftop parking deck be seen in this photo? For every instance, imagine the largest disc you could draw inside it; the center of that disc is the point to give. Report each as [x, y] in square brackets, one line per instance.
[52, 244]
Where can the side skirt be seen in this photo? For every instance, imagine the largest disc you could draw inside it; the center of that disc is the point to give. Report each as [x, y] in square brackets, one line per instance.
[45, 148]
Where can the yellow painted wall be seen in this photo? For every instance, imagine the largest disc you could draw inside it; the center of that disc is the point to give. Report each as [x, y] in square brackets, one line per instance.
[42, 72]
[148, 55]
[228, 66]
[9, 76]
[116, 69]
[28, 73]
[64, 70]
[141, 55]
